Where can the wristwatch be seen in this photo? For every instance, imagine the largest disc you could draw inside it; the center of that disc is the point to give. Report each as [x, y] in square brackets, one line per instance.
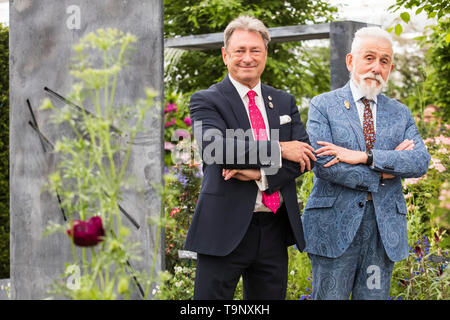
[369, 157]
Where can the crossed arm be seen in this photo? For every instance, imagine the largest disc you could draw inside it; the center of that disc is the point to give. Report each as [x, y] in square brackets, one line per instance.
[295, 151]
[297, 156]
[353, 156]
[347, 167]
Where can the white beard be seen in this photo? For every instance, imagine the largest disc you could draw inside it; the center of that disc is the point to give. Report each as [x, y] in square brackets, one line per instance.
[369, 91]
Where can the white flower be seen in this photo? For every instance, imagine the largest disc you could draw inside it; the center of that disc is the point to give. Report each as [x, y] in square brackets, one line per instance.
[178, 269]
[292, 272]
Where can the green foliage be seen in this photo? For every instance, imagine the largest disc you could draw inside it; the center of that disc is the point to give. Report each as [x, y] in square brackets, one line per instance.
[89, 179]
[177, 126]
[176, 286]
[428, 202]
[4, 152]
[433, 8]
[198, 17]
[432, 86]
[436, 86]
[419, 277]
[182, 185]
[290, 66]
[300, 279]
[409, 86]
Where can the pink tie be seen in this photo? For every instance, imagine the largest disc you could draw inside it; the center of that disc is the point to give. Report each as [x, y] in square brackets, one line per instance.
[271, 201]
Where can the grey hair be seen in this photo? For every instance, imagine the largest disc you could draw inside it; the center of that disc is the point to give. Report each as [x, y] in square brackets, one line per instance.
[246, 23]
[369, 32]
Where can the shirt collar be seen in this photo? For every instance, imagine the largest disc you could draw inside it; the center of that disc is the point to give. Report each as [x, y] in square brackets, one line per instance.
[243, 90]
[357, 95]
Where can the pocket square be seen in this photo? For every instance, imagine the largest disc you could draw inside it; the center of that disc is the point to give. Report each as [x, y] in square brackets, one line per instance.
[285, 119]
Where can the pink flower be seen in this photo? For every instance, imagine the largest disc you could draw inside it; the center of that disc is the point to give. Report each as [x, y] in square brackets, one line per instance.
[411, 181]
[170, 123]
[174, 211]
[188, 121]
[87, 234]
[442, 140]
[171, 107]
[182, 133]
[169, 146]
[436, 164]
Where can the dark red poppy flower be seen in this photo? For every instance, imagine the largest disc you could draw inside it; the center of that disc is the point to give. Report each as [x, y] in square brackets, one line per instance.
[437, 236]
[87, 233]
[404, 282]
[418, 250]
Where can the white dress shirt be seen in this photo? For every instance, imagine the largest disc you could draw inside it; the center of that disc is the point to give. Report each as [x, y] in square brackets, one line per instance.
[357, 95]
[243, 91]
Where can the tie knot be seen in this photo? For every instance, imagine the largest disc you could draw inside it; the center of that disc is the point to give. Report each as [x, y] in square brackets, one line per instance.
[251, 94]
[366, 102]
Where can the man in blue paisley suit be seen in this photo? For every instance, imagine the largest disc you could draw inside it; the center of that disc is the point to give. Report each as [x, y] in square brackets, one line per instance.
[355, 217]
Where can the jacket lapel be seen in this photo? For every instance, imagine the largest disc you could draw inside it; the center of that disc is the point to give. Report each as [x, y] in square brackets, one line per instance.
[273, 116]
[382, 129]
[352, 115]
[231, 95]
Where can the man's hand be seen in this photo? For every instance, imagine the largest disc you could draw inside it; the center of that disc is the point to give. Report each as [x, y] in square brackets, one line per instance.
[341, 154]
[297, 151]
[241, 174]
[405, 145]
[354, 157]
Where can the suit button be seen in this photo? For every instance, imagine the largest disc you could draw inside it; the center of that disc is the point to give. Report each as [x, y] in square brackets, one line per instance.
[361, 204]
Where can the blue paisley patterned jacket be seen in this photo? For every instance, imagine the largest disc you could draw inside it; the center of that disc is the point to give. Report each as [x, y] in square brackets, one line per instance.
[335, 206]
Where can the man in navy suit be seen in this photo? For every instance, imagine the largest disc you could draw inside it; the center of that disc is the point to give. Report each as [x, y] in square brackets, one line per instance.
[355, 217]
[253, 146]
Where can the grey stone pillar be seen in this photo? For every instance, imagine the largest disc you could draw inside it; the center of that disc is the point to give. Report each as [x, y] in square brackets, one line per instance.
[341, 37]
[42, 33]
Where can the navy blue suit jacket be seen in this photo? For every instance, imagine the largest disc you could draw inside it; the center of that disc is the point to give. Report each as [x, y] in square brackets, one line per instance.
[225, 208]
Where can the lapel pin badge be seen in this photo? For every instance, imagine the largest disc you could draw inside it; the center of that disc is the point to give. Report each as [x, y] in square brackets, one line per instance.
[347, 105]
[270, 105]
[270, 98]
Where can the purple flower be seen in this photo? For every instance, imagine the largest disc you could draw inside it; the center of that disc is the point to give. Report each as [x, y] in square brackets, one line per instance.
[87, 233]
[188, 121]
[182, 179]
